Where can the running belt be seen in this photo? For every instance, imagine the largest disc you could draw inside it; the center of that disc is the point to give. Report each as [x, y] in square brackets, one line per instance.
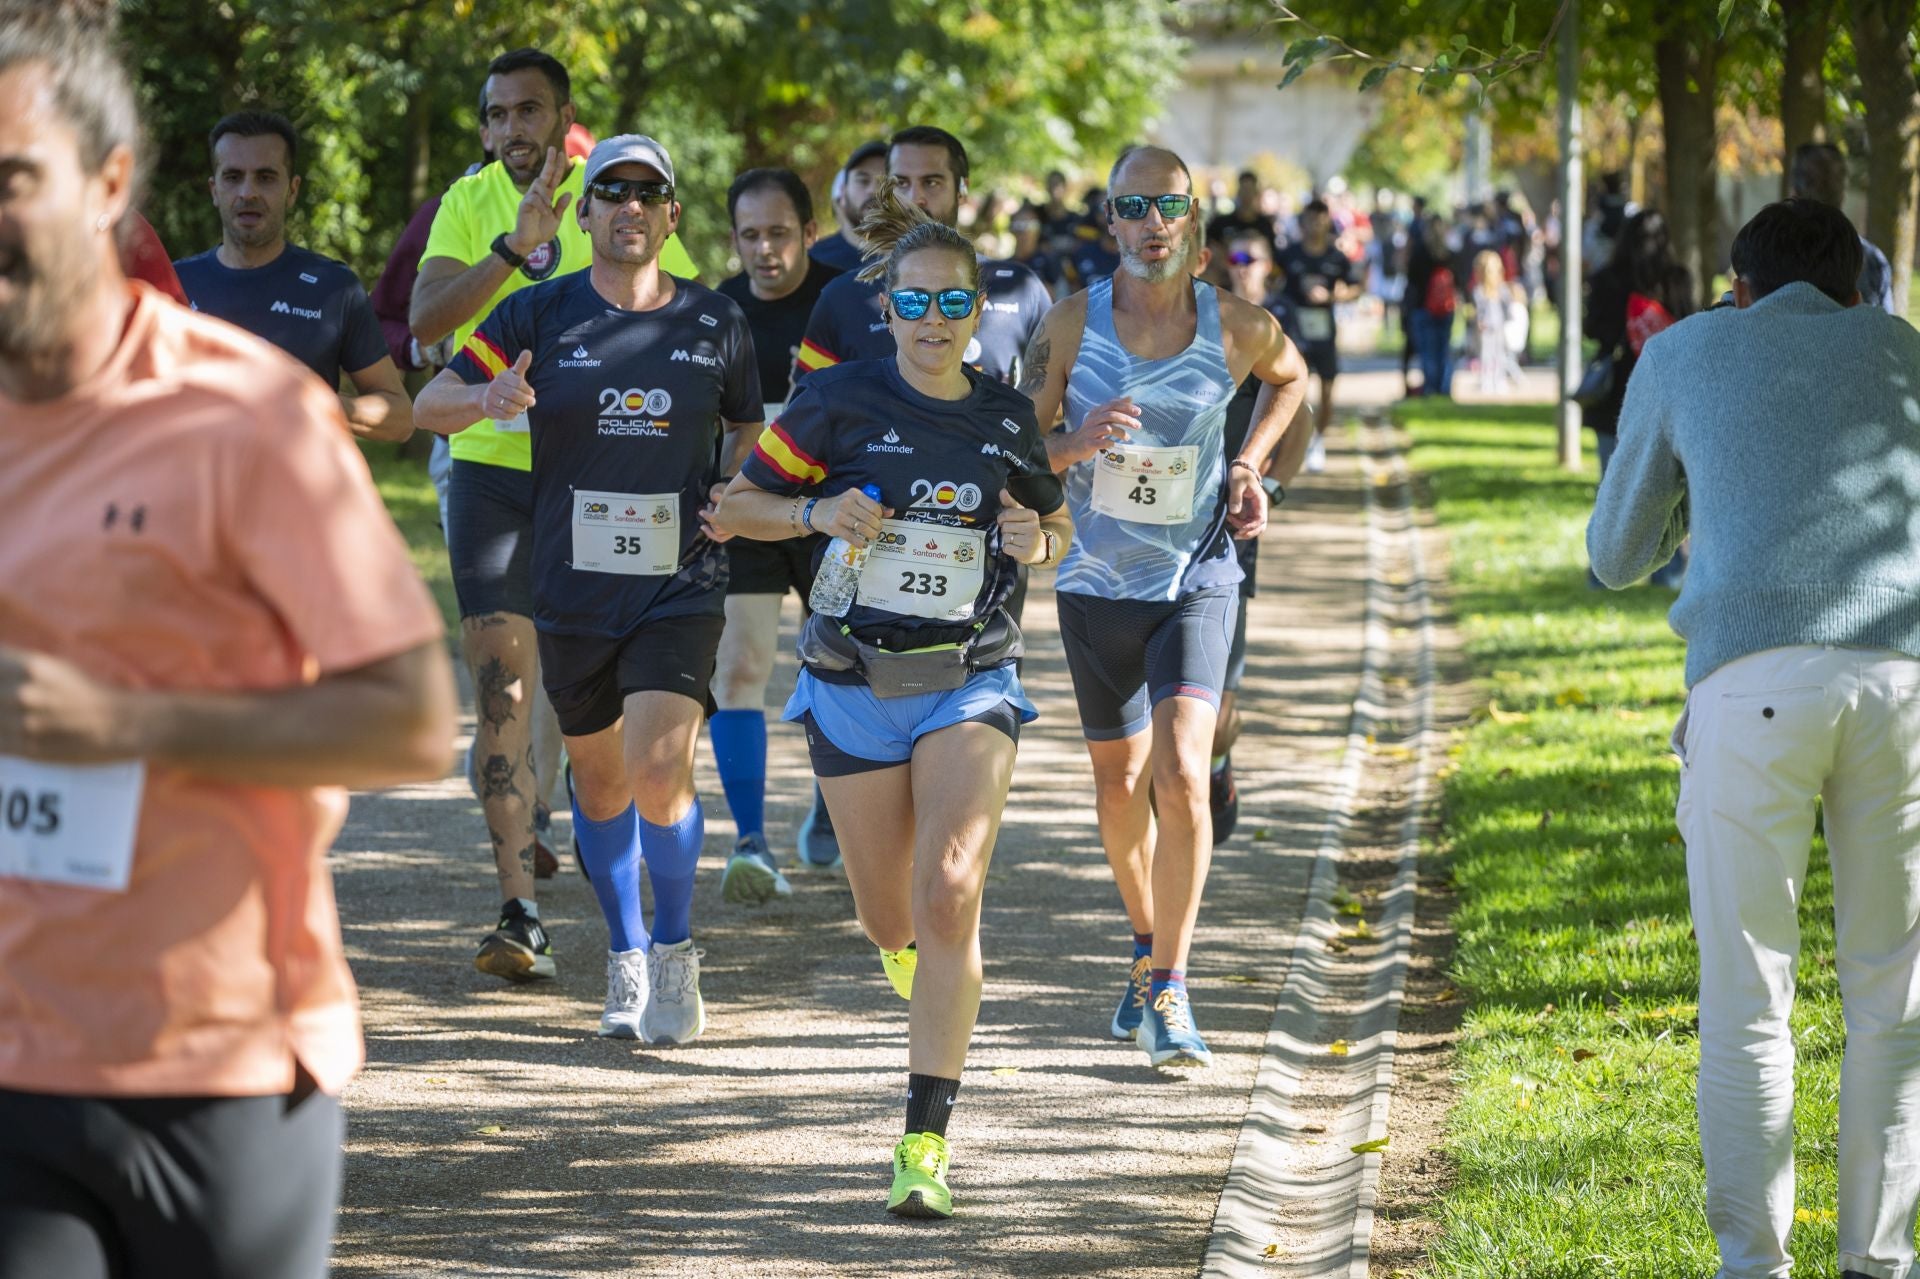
[1183, 401]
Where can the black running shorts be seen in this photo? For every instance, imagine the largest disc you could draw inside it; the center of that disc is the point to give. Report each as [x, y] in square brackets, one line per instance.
[1127, 656]
[588, 677]
[771, 568]
[1237, 651]
[168, 1187]
[490, 538]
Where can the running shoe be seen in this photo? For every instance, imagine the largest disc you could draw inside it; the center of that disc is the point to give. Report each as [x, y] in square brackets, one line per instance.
[920, 1177]
[751, 878]
[519, 949]
[899, 965]
[818, 845]
[1317, 455]
[1223, 797]
[1168, 1035]
[626, 993]
[674, 1013]
[1133, 1000]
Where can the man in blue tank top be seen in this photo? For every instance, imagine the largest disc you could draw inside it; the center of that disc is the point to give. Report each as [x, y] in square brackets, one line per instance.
[1145, 364]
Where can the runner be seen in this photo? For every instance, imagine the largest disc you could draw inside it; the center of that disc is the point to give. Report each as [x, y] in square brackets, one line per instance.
[208, 625]
[1145, 365]
[497, 232]
[860, 179]
[309, 306]
[772, 216]
[1318, 275]
[918, 777]
[626, 376]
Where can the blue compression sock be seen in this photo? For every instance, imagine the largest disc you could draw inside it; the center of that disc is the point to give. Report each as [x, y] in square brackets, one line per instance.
[671, 853]
[740, 753]
[1142, 945]
[1166, 979]
[610, 851]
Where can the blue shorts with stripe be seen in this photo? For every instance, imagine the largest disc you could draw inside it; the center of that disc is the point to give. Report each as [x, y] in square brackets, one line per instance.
[883, 730]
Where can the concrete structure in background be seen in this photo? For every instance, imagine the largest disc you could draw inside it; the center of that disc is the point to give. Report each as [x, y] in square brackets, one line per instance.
[1226, 112]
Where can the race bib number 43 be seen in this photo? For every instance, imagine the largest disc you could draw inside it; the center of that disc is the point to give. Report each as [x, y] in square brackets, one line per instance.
[69, 823]
[1145, 485]
[636, 534]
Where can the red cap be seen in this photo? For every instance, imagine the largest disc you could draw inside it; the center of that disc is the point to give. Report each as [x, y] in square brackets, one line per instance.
[579, 141]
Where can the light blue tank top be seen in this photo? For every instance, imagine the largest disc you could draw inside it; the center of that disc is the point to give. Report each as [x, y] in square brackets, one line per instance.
[1183, 401]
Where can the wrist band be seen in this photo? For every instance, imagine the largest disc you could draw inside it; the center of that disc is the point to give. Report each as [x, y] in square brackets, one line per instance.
[1241, 461]
[806, 514]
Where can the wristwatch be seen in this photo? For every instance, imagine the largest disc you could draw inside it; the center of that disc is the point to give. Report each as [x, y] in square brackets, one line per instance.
[505, 254]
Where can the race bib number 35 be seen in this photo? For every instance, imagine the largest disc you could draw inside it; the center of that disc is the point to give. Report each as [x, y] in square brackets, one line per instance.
[924, 570]
[1145, 485]
[69, 823]
[636, 534]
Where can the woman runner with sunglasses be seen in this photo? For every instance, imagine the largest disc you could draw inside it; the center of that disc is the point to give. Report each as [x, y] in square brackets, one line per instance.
[911, 704]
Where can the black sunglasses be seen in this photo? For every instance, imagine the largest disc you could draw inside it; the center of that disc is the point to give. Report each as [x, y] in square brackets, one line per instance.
[955, 304]
[626, 190]
[1134, 207]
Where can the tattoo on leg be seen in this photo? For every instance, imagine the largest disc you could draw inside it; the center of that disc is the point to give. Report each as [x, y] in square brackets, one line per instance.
[526, 859]
[1034, 376]
[499, 779]
[493, 690]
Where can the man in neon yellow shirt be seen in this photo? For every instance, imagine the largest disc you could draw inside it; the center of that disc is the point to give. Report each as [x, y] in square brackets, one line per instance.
[498, 231]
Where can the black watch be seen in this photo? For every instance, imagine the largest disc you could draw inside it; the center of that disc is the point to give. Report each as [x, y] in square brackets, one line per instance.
[1276, 494]
[505, 254]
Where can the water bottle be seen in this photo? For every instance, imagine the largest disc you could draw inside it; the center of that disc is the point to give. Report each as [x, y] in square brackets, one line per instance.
[838, 580]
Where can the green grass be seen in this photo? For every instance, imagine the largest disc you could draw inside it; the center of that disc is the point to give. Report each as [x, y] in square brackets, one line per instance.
[410, 498]
[1574, 1133]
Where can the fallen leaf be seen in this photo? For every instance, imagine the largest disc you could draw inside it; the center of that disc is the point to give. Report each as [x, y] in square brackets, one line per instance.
[1338, 1047]
[1499, 716]
[436, 1081]
[1314, 1128]
[1370, 1147]
[1337, 946]
[1584, 1054]
[1242, 978]
[1260, 836]
[1271, 1250]
[1352, 908]
[489, 1131]
[1446, 996]
[1006, 1070]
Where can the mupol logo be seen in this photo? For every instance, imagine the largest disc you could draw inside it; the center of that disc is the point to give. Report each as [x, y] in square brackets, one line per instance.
[705, 361]
[580, 360]
[305, 313]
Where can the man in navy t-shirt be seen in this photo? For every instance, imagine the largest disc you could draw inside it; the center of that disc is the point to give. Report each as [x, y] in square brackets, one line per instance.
[1318, 275]
[640, 392]
[309, 306]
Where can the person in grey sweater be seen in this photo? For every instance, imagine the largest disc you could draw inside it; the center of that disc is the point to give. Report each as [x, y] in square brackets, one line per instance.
[1784, 435]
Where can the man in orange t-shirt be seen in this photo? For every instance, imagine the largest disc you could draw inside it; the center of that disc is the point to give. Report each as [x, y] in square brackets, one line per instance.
[208, 625]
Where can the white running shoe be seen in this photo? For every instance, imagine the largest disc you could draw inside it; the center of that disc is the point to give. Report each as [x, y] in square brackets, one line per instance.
[626, 994]
[1317, 455]
[674, 1013]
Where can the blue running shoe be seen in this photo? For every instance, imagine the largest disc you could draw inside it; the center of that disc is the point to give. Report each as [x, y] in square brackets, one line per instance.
[1167, 1032]
[1133, 1000]
[818, 846]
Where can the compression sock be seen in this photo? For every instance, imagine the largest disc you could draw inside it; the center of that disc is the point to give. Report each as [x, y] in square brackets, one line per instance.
[671, 853]
[610, 852]
[1142, 945]
[930, 1103]
[740, 754]
[1166, 979]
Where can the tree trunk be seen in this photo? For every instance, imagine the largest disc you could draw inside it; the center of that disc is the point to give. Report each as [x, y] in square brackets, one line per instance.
[1883, 48]
[1687, 60]
[1803, 87]
[419, 147]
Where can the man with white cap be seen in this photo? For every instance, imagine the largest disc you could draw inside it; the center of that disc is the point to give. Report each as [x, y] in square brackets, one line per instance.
[641, 392]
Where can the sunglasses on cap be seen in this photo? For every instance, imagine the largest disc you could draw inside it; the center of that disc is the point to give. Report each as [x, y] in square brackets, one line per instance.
[1134, 207]
[955, 304]
[627, 190]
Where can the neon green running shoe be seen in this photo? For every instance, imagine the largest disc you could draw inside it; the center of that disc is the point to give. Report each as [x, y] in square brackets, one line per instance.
[899, 966]
[920, 1177]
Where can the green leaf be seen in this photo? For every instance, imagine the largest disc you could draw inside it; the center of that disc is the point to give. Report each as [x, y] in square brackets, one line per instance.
[1726, 14]
[1370, 1147]
[1442, 61]
[1298, 50]
[1375, 76]
[1293, 73]
[1459, 44]
[1506, 32]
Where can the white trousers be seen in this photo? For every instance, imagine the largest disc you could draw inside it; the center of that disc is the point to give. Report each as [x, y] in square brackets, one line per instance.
[1761, 739]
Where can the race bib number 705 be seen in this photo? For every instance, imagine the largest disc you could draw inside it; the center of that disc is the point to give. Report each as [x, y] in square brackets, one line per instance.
[69, 823]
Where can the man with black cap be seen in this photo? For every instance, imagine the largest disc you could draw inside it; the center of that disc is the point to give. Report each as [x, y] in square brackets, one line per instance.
[859, 181]
[640, 392]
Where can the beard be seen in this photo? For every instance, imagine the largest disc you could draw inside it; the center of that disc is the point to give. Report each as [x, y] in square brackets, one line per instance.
[47, 288]
[265, 232]
[1178, 262]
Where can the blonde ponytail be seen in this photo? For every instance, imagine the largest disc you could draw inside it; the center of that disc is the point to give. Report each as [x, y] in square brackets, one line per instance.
[893, 230]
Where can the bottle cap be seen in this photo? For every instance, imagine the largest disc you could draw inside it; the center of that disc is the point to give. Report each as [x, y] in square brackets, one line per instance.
[871, 490]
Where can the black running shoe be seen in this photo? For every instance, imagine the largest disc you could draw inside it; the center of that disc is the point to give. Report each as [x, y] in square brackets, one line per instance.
[519, 949]
[1223, 797]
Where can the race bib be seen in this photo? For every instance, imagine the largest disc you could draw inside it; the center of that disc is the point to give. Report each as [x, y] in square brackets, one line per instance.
[636, 534]
[1145, 485]
[1316, 324]
[515, 425]
[69, 823]
[924, 570]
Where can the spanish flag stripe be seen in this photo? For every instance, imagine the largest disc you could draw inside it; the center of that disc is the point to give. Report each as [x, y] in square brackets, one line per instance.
[486, 354]
[814, 357]
[777, 449]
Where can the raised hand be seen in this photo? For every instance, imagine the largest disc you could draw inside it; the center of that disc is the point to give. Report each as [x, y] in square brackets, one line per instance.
[509, 394]
[539, 217]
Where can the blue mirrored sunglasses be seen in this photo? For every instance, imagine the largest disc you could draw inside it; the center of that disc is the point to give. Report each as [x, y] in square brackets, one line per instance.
[955, 304]
[1134, 207]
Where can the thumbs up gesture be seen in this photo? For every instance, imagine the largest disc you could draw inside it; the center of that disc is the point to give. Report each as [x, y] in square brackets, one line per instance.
[510, 394]
[1019, 530]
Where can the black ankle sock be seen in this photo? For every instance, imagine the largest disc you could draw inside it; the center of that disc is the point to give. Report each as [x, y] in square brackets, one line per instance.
[930, 1103]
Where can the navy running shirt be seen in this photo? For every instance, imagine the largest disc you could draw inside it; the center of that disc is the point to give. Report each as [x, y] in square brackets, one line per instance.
[309, 306]
[1305, 269]
[836, 252]
[847, 323]
[778, 326]
[935, 461]
[630, 403]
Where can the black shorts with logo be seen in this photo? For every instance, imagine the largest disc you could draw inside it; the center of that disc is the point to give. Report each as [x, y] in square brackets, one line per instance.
[588, 677]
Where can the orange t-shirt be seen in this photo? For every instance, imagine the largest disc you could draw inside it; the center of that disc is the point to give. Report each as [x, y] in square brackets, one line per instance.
[196, 518]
